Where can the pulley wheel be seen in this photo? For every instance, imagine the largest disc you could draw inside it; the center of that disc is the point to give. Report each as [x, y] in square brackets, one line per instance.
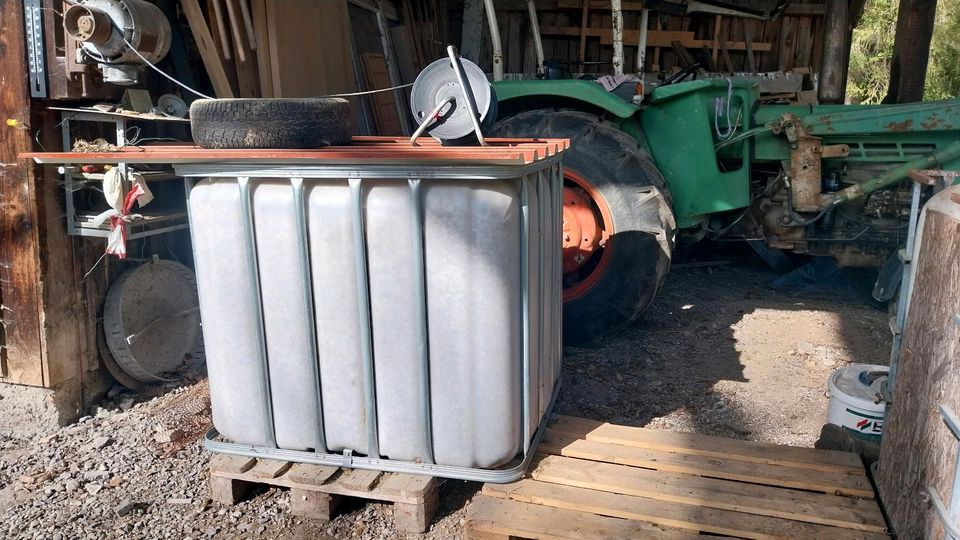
[437, 82]
[151, 322]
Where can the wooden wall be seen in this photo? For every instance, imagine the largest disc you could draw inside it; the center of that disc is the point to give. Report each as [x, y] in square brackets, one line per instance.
[49, 311]
[792, 41]
[918, 450]
[19, 250]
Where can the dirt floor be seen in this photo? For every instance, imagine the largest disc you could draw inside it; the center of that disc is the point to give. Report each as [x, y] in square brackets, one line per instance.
[719, 353]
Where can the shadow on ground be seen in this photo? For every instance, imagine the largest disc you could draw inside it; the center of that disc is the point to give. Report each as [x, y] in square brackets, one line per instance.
[720, 352]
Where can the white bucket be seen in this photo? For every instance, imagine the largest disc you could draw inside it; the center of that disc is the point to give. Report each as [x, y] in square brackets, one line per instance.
[854, 395]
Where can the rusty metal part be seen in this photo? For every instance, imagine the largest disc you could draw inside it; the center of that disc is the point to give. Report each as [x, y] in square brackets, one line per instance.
[372, 149]
[582, 234]
[805, 172]
[806, 166]
[938, 158]
[585, 212]
[934, 177]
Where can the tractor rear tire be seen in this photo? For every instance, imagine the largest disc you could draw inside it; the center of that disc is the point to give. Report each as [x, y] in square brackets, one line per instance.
[636, 256]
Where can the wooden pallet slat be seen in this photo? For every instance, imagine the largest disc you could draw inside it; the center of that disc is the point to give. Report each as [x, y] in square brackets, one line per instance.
[824, 509]
[856, 485]
[311, 475]
[493, 517]
[691, 517]
[707, 445]
[358, 479]
[267, 469]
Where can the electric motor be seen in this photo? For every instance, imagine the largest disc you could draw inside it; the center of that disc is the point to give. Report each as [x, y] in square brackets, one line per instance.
[101, 26]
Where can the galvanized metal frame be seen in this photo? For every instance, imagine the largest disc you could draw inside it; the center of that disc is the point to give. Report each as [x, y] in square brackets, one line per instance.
[70, 185]
[546, 184]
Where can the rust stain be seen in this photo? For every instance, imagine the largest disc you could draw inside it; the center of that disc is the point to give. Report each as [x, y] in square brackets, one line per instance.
[899, 127]
[934, 122]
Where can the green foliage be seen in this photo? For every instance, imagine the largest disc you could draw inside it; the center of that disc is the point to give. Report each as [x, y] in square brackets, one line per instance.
[943, 72]
[872, 48]
[870, 52]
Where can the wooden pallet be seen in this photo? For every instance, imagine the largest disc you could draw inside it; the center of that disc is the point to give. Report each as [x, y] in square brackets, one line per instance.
[598, 480]
[316, 490]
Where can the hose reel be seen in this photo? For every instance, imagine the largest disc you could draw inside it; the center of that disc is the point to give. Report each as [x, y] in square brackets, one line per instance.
[453, 101]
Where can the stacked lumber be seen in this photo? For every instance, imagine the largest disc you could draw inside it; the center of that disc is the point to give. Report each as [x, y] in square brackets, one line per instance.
[578, 35]
[262, 48]
[426, 20]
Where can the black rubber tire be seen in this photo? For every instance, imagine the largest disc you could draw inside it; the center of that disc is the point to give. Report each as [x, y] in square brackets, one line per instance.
[639, 202]
[270, 123]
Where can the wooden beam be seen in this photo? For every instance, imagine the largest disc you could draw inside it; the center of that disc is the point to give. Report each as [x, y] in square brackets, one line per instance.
[471, 33]
[811, 10]
[655, 38]
[715, 49]
[259, 9]
[584, 21]
[748, 42]
[21, 357]
[911, 51]
[208, 50]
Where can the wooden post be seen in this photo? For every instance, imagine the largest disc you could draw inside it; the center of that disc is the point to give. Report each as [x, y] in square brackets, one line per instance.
[834, 36]
[642, 41]
[21, 356]
[911, 50]
[584, 22]
[918, 450]
[617, 18]
[471, 33]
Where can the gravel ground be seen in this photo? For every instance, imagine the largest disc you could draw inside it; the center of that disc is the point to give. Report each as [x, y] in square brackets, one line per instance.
[718, 353]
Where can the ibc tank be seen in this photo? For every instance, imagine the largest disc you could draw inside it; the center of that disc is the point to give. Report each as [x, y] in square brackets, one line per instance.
[403, 311]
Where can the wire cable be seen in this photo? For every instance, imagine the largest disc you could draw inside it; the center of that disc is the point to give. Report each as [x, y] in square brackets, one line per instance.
[160, 71]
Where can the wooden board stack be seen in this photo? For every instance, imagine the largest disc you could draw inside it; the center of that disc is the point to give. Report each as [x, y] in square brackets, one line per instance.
[599, 480]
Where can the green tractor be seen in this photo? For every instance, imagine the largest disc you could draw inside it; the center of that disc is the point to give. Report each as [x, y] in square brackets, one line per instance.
[705, 159]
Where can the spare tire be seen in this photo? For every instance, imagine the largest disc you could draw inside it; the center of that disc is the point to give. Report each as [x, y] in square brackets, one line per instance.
[270, 123]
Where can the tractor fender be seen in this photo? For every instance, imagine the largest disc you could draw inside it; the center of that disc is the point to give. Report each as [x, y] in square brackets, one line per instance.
[587, 92]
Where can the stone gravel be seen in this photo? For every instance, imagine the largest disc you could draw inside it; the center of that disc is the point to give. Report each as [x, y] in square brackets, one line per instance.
[718, 353]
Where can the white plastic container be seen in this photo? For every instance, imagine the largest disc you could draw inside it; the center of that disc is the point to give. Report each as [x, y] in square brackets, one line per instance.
[426, 330]
[855, 401]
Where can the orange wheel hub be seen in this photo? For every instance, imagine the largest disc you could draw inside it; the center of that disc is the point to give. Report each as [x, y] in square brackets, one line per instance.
[587, 227]
[581, 232]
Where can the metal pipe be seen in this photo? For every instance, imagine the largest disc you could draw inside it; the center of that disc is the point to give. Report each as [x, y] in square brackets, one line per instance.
[642, 42]
[266, 400]
[617, 14]
[428, 121]
[525, 311]
[494, 39]
[535, 32]
[306, 285]
[468, 91]
[423, 341]
[896, 174]
[363, 305]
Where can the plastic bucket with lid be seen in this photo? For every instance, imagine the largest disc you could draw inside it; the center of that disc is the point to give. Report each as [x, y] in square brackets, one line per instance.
[855, 402]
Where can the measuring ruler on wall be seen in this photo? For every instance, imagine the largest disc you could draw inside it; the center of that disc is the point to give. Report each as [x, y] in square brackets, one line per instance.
[33, 23]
